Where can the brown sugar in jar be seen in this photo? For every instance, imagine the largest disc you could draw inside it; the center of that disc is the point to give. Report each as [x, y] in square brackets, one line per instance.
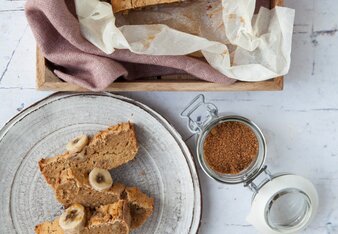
[230, 147]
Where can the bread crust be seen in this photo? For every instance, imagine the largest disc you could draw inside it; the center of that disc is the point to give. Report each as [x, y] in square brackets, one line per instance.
[125, 5]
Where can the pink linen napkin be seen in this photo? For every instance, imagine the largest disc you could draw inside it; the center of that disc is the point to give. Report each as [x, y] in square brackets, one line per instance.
[57, 32]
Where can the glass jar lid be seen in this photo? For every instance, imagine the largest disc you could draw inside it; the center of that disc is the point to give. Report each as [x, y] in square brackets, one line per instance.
[284, 204]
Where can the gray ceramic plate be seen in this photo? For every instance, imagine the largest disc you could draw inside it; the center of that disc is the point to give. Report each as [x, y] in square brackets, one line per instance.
[164, 168]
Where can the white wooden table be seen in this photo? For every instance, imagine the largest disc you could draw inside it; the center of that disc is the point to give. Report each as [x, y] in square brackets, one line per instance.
[300, 123]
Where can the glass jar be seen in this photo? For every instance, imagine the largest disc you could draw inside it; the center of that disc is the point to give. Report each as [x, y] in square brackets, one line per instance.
[281, 203]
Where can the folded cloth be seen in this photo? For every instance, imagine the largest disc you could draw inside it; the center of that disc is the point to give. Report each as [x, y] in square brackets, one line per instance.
[57, 32]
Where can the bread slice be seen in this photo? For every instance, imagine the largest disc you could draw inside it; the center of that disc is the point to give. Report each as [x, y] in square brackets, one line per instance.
[108, 149]
[141, 206]
[125, 5]
[74, 187]
[112, 218]
[49, 227]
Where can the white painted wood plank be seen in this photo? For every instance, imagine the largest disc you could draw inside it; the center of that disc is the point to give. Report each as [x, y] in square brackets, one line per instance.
[10, 37]
[11, 6]
[21, 70]
[13, 100]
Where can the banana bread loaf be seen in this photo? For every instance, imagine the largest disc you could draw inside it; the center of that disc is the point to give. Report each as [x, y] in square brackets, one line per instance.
[124, 5]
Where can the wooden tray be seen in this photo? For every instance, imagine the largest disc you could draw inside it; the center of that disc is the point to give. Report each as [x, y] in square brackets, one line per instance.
[47, 80]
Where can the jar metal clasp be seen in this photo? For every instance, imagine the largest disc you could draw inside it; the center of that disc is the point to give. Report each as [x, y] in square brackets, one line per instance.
[254, 187]
[199, 113]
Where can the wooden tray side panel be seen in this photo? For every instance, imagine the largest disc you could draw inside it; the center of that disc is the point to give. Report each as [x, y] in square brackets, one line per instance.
[40, 69]
[46, 80]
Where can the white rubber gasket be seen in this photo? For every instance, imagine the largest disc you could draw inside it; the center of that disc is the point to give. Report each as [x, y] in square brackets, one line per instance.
[265, 194]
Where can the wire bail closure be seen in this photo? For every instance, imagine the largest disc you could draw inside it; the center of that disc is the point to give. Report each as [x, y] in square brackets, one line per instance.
[198, 112]
[250, 183]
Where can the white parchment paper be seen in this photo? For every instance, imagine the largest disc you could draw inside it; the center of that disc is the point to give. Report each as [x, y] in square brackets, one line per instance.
[261, 44]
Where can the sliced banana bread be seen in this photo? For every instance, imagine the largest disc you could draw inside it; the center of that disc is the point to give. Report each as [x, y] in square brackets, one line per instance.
[141, 206]
[68, 174]
[74, 187]
[111, 218]
[108, 149]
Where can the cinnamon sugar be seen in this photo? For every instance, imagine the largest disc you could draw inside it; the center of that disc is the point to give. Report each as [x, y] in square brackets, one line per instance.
[230, 147]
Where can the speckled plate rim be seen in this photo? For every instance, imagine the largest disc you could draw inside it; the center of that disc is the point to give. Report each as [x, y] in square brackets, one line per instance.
[197, 210]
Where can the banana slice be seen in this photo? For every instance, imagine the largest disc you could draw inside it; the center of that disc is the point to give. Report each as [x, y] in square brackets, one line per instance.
[73, 219]
[77, 144]
[100, 179]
